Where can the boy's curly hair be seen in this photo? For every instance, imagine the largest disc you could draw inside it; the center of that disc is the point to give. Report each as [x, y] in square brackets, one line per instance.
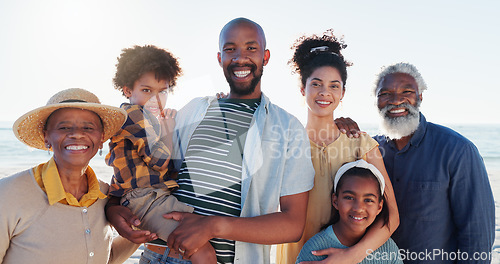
[318, 51]
[136, 61]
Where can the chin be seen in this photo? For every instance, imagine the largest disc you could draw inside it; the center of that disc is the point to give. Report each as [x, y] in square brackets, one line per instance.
[399, 127]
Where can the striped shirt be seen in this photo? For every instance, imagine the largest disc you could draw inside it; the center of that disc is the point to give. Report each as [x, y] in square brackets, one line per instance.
[210, 176]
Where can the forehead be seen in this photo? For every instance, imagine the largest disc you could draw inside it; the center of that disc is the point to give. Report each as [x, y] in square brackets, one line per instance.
[71, 114]
[241, 33]
[362, 185]
[327, 72]
[399, 80]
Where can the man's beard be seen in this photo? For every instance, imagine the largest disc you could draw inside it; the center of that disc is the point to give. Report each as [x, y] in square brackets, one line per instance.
[398, 127]
[240, 89]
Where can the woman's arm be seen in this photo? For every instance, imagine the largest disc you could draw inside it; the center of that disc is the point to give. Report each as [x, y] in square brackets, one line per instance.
[378, 233]
[121, 250]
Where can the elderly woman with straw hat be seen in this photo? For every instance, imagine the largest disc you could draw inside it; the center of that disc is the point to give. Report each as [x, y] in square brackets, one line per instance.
[54, 212]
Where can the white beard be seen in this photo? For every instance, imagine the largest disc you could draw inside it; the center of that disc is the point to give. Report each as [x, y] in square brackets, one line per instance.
[399, 127]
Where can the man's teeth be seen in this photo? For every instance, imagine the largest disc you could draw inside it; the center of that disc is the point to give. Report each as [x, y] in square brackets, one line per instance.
[76, 147]
[397, 111]
[323, 102]
[241, 74]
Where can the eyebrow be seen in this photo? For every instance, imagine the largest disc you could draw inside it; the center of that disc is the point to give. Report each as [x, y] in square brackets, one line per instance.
[252, 42]
[366, 195]
[318, 79]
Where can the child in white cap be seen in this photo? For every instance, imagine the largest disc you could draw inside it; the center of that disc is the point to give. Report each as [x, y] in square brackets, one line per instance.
[358, 199]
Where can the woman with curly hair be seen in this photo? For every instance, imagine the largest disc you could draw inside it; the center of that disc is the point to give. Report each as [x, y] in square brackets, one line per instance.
[323, 75]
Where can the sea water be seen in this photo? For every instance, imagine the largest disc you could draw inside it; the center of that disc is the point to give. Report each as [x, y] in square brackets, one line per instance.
[15, 156]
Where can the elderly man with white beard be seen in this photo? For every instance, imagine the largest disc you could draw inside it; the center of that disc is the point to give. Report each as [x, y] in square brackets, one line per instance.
[442, 189]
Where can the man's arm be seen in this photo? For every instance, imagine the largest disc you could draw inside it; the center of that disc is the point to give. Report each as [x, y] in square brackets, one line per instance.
[280, 227]
[472, 204]
[122, 219]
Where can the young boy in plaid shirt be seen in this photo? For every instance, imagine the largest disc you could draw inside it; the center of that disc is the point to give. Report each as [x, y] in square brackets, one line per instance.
[140, 152]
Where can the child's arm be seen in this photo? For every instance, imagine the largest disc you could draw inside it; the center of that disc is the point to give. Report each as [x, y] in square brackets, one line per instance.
[167, 122]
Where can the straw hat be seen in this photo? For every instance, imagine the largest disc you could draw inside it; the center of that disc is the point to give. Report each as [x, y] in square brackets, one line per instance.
[29, 127]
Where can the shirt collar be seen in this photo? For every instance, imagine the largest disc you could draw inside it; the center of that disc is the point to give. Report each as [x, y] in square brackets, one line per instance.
[264, 101]
[49, 180]
[417, 137]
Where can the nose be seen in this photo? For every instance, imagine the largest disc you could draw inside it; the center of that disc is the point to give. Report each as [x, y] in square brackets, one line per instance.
[358, 206]
[323, 91]
[240, 57]
[77, 133]
[396, 99]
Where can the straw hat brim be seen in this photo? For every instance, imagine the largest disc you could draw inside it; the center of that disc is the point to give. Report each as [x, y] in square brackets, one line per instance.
[29, 127]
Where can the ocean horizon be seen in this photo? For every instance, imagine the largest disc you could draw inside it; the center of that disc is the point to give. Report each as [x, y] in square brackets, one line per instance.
[16, 155]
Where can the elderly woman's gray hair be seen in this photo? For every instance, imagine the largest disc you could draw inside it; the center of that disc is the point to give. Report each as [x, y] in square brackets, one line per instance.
[401, 67]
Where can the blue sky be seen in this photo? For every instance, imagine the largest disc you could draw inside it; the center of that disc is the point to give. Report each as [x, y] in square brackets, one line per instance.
[48, 46]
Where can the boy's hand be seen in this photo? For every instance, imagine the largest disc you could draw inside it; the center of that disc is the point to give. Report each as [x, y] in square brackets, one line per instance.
[221, 95]
[169, 120]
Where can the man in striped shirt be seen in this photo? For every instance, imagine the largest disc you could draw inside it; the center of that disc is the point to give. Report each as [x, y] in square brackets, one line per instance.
[244, 162]
[243, 157]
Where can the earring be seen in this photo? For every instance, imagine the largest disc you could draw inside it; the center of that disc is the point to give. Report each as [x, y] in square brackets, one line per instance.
[100, 152]
[48, 149]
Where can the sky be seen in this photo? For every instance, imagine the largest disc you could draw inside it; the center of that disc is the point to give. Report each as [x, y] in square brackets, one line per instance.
[48, 46]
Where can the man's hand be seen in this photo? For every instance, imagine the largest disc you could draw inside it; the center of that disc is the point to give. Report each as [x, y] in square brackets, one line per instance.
[192, 233]
[335, 256]
[122, 219]
[348, 126]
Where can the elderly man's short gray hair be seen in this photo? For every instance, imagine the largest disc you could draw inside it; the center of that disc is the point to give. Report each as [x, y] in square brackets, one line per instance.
[401, 67]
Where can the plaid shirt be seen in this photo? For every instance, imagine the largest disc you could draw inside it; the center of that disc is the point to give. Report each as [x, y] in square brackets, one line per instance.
[136, 153]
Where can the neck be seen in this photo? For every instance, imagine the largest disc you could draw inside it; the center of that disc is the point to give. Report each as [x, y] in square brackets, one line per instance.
[321, 129]
[349, 237]
[74, 181]
[402, 142]
[254, 95]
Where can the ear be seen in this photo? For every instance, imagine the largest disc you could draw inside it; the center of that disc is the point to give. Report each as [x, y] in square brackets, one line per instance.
[45, 137]
[335, 201]
[303, 90]
[420, 96]
[267, 55]
[380, 206]
[127, 91]
[219, 59]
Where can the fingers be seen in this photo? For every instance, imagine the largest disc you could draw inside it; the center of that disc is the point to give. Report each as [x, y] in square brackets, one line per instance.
[221, 95]
[123, 221]
[140, 236]
[169, 113]
[177, 216]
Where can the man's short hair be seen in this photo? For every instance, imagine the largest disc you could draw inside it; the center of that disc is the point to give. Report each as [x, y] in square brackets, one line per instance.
[401, 67]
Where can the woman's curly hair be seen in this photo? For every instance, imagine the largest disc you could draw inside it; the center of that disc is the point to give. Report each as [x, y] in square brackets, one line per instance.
[317, 51]
[136, 61]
